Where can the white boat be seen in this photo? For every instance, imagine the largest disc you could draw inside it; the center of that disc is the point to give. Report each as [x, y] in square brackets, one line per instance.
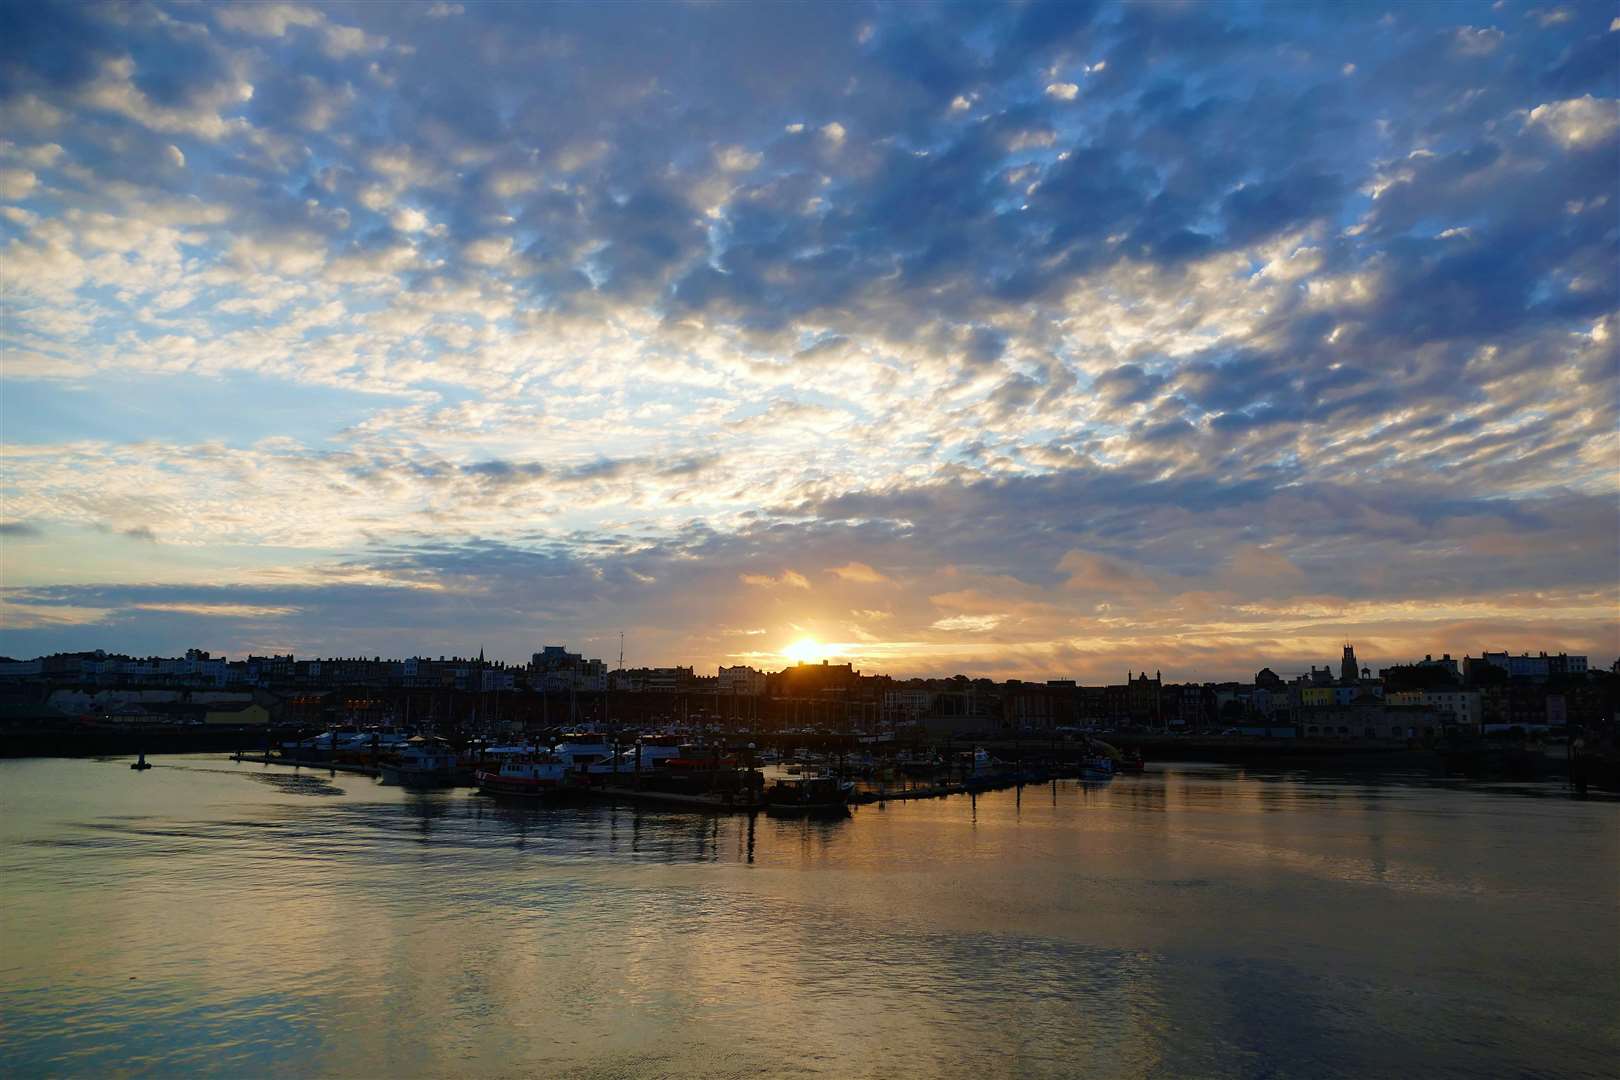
[578, 750]
[422, 763]
[647, 755]
[352, 740]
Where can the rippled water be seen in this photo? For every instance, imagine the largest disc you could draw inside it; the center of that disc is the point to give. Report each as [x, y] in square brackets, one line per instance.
[1197, 921]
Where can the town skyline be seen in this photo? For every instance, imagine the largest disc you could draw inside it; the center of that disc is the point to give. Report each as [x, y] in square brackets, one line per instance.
[606, 667]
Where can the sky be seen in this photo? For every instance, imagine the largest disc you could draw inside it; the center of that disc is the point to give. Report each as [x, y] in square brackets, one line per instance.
[1031, 340]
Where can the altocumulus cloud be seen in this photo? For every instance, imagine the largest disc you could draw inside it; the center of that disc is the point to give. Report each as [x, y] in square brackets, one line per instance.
[1042, 338]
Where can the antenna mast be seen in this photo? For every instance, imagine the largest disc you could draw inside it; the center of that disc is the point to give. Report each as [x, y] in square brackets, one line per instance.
[621, 650]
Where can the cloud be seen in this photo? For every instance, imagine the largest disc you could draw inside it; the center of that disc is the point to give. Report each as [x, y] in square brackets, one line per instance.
[1579, 123]
[1067, 91]
[221, 611]
[17, 183]
[738, 159]
[788, 578]
[973, 624]
[267, 20]
[1470, 41]
[859, 573]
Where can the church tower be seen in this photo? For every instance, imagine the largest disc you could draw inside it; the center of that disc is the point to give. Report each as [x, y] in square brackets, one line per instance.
[1349, 670]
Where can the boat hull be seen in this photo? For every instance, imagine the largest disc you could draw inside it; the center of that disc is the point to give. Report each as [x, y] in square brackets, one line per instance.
[519, 787]
[417, 778]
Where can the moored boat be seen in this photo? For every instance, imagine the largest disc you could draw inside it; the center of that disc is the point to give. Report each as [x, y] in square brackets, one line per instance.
[648, 755]
[579, 750]
[809, 796]
[535, 776]
[422, 763]
[1097, 768]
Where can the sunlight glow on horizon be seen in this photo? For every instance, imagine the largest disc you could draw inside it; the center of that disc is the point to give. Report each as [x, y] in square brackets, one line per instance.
[806, 650]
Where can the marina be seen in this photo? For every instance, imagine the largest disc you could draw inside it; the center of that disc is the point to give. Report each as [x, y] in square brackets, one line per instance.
[663, 769]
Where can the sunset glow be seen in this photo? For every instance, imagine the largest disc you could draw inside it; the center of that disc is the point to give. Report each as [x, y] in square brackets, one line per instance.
[804, 651]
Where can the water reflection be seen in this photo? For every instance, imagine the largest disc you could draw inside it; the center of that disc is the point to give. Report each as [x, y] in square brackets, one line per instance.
[1187, 921]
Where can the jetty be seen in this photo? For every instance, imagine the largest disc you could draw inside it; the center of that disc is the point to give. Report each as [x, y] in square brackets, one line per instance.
[301, 763]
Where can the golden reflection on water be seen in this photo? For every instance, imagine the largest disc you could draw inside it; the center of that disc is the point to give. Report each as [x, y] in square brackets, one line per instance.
[248, 920]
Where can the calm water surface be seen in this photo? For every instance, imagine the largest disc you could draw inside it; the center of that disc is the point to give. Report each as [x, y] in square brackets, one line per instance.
[1195, 921]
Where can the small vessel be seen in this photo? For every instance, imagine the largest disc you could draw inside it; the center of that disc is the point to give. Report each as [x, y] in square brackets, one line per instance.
[535, 776]
[1130, 762]
[809, 796]
[1097, 768]
[579, 750]
[648, 755]
[423, 763]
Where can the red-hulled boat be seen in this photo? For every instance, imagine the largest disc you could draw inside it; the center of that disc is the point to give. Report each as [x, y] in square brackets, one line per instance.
[536, 776]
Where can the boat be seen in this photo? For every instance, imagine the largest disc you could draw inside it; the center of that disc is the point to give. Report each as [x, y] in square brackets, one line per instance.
[423, 763]
[1130, 763]
[349, 743]
[579, 750]
[809, 796]
[1097, 768]
[647, 755]
[534, 776]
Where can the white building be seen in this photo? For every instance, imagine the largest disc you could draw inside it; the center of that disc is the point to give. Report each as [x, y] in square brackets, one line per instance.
[1462, 706]
[742, 681]
[1536, 668]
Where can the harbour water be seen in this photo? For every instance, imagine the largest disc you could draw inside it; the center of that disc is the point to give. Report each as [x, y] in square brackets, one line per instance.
[1201, 921]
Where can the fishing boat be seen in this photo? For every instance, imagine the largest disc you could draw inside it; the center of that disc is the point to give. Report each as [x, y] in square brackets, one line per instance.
[423, 763]
[809, 796]
[536, 776]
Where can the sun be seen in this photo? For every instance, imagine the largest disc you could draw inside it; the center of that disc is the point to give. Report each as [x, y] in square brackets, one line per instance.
[803, 651]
